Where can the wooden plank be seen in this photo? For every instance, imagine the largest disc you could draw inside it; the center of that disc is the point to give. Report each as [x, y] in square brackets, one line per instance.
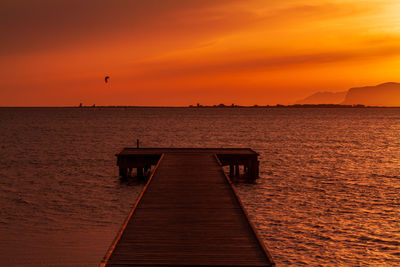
[188, 215]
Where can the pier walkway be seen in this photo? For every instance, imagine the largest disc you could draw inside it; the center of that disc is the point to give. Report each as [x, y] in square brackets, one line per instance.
[188, 215]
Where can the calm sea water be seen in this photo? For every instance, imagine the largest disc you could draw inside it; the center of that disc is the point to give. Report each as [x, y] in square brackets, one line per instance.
[329, 192]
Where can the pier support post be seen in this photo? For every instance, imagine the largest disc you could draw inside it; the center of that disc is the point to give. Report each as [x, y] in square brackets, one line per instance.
[253, 170]
[123, 172]
[237, 170]
[139, 172]
[146, 169]
[231, 171]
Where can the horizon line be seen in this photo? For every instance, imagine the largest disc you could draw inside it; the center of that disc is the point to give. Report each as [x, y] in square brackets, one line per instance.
[213, 106]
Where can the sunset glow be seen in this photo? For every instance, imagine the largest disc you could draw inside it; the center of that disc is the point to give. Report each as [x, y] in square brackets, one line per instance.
[172, 52]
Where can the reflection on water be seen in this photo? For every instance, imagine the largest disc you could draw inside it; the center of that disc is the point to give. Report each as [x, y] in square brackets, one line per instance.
[329, 192]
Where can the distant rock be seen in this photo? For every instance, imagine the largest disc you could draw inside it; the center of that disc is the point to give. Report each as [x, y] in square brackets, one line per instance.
[386, 94]
[323, 98]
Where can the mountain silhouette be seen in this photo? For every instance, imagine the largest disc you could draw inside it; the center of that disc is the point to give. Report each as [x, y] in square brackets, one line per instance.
[385, 94]
[324, 98]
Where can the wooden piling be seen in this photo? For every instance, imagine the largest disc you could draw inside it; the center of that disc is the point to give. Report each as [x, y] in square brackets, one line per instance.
[231, 171]
[139, 172]
[237, 170]
[123, 172]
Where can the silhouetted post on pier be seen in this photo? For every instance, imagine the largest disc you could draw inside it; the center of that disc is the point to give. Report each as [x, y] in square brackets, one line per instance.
[139, 172]
[237, 170]
[123, 172]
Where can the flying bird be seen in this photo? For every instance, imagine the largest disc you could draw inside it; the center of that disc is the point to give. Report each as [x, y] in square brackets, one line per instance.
[106, 79]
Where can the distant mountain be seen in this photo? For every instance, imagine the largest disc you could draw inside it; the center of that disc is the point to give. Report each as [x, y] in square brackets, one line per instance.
[324, 98]
[386, 94]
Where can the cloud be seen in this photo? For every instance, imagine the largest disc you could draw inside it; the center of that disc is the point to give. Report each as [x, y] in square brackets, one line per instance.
[256, 63]
[326, 10]
[45, 24]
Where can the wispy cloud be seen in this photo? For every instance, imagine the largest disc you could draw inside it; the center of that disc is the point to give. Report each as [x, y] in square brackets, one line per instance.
[265, 63]
[69, 44]
[43, 24]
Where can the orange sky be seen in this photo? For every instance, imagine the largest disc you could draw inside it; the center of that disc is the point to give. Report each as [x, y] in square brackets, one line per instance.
[181, 52]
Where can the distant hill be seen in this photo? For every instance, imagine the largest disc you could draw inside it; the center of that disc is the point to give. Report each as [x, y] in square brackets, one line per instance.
[324, 98]
[386, 94]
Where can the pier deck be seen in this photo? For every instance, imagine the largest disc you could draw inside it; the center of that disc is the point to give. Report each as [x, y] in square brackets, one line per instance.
[188, 215]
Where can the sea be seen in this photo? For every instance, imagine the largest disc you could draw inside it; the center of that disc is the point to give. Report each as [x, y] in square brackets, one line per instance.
[328, 192]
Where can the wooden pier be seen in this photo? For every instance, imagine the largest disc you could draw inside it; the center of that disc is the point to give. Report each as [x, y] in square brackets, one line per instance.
[188, 214]
[243, 162]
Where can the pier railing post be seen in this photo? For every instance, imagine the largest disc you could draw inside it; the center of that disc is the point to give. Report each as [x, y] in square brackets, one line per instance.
[123, 172]
[139, 172]
[253, 169]
[231, 171]
[237, 170]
